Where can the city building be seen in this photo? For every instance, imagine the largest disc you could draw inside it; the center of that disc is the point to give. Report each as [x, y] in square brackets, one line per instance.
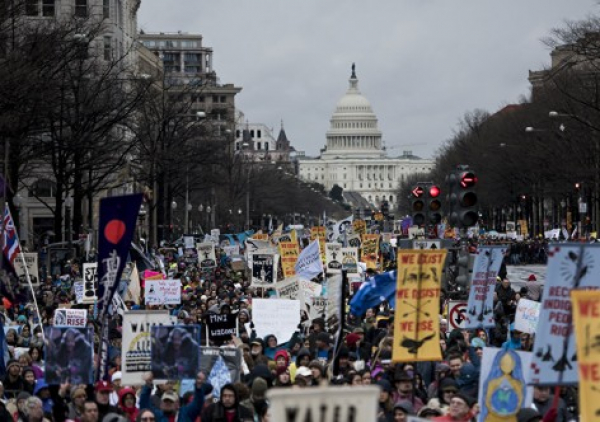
[354, 157]
[258, 143]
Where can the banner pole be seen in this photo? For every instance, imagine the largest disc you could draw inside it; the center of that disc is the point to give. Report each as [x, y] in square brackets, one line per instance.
[37, 309]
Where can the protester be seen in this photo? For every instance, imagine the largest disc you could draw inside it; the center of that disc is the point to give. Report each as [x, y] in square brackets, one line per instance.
[228, 408]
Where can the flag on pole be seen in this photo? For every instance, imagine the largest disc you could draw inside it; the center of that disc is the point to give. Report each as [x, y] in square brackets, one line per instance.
[133, 289]
[271, 224]
[12, 248]
[4, 354]
[374, 291]
[309, 263]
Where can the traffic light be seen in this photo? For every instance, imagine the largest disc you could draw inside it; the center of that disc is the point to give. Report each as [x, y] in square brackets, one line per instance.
[434, 205]
[418, 206]
[468, 214]
[385, 208]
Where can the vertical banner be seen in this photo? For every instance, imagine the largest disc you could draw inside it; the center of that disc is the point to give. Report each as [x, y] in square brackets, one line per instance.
[175, 352]
[31, 260]
[90, 283]
[333, 258]
[586, 323]
[69, 355]
[319, 232]
[369, 250]
[570, 266]
[221, 366]
[136, 344]
[480, 308]
[206, 255]
[350, 260]
[289, 252]
[416, 321]
[264, 269]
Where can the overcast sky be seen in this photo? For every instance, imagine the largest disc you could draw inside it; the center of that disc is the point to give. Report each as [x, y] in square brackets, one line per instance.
[422, 63]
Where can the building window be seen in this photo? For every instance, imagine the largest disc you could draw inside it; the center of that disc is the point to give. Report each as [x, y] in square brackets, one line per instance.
[258, 144]
[237, 133]
[120, 13]
[81, 8]
[43, 188]
[391, 198]
[258, 133]
[266, 145]
[252, 134]
[107, 48]
[106, 9]
[223, 99]
[32, 8]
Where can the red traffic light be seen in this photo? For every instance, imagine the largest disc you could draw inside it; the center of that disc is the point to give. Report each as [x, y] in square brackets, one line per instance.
[468, 180]
[434, 191]
[417, 192]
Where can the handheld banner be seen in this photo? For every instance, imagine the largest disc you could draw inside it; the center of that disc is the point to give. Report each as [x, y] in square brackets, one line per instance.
[333, 258]
[350, 260]
[264, 269]
[289, 288]
[136, 345]
[90, 283]
[175, 351]
[586, 317]
[69, 355]
[221, 328]
[480, 307]
[289, 252]
[31, 260]
[70, 318]
[319, 232]
[78, 290]
[309, 264]
[279, 317]
[527, 316]
[206, 255]
[221, 366]
[354, 241]
[570, 266]
[369, 250]
[163, 292]
[416, 321]
[359, 227]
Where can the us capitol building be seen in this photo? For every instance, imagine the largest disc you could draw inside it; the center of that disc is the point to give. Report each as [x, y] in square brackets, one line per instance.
[355, 158]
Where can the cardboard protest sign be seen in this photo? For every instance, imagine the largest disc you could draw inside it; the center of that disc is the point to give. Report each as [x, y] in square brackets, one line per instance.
[350, 260]
[206, 255]
[231, 250]
[78, 290]
[289, 288]
[359, 227]
[354, 241]
[264, 268]
[333, 258]
[70, 318]
[163, 292]
[279, 317]
[221, 327]
[503, 389]
[319, 232]
[325, 404]
[188, 242]
[369, 250]
[480, 307]
[175, 351]
[90, 283]
[31, 261]
[136, 344]
[555, 355]
[289, 252]
[69, 355]
[586, 317]
[260, 236]
[527, 316]
[221, 366]
[416, 321]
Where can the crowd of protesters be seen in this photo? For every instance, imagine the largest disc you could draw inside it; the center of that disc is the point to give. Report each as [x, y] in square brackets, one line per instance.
[441, 391]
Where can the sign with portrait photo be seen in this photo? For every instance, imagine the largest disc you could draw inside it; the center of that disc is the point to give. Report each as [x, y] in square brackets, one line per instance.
[175, 351]
[264, 268]
[31, 261]
[69, 355]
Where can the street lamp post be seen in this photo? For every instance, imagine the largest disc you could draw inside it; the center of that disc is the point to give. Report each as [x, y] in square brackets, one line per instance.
[68, 235]
[173, 208]
[188, 208]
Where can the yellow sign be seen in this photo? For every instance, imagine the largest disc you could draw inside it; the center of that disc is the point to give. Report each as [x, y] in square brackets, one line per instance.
[260, 236]
[586, 320]
[359, 227]
[524, 229]
[369, 250]
[289, 252]
[416, 321]
[321, 233]
[378, 216]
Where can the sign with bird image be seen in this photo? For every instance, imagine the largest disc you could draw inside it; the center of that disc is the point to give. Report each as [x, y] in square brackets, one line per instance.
[416, 321]
[570, 267]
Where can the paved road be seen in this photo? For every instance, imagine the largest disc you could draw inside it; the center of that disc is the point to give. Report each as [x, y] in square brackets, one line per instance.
[519, 274]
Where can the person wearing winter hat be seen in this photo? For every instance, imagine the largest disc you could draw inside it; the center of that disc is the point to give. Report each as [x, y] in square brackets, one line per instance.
[318, 371]
[386, 403]
[404, 383]
[459, 410]
[228, 408]
[75, 408]
[116, 383]
[13, 381]
[402, 410]
[20, 411]
[102, 399]
[127, 401]
[42, 390]
[282, 359]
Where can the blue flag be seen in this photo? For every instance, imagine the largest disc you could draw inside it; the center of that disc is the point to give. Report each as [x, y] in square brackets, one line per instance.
[4, 355]
[374, 291]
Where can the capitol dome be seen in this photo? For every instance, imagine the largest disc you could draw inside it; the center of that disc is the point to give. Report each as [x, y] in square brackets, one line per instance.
[353, 128]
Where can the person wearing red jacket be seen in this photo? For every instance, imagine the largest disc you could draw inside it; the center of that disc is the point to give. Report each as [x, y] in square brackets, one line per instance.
[459, 410]
[127, 403]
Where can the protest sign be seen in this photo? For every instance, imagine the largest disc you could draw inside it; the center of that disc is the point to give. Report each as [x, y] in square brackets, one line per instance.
[555, 356]
[90, 283]
[359, 227]
[206, 255]
[319, 232]
[175, 351]
[416, 322]
[480, 307]
[289, 252]
[289, 288]
[188, 242]
[333, 258]
[221, 328]
[586, 314]
[503, 389]
[350, 260]
[78, 290]
[221, 366]
[527, 316]
[231, 250]
[215, 235]
[163, 292]
[354, 241]
[324, 404]
[70, 318]
[334, 305]
[31, 261]
[136, 344]
[369, 250]
[264, 268]
[279, 317]
[69, 355]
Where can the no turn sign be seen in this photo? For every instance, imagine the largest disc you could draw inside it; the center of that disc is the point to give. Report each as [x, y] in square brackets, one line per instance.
[456, 313]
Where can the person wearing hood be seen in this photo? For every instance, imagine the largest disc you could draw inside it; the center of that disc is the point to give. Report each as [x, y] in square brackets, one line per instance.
[13, 381]
[228, 408]
[282, 359]
[303, 358]
[447, 389]
[28, 379]
[514, 343]
[127, 399]
[42, 391]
